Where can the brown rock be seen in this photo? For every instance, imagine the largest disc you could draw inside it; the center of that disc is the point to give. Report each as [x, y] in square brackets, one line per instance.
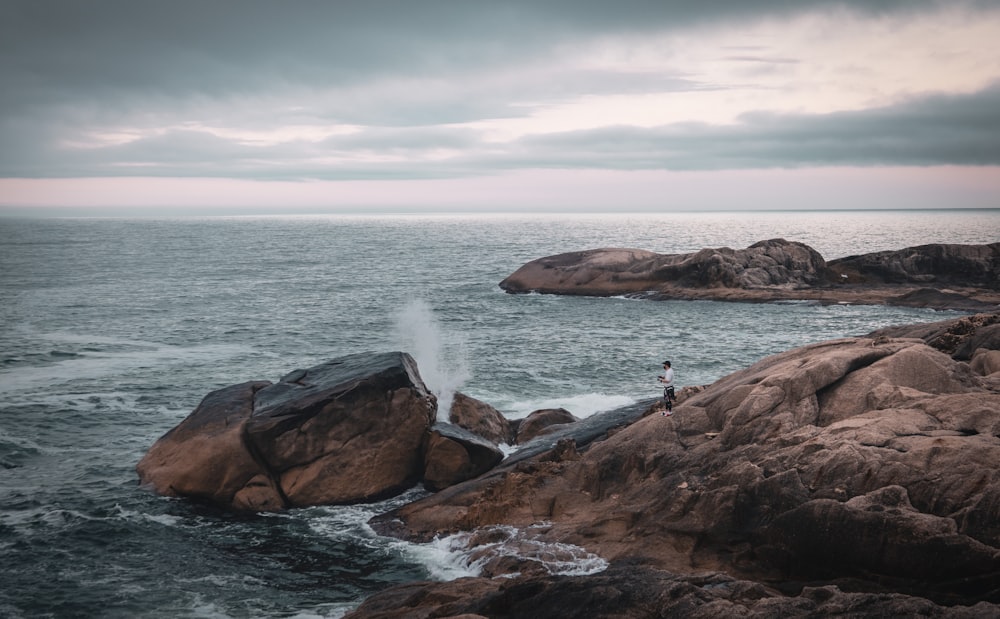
[345, 431]
[872, 464]
[985, 362]
[629, 591]
[963, 277]
[603, 272]
[959, 337]
[541, 421]
[454, 455]
[204, 456]
[480, 418]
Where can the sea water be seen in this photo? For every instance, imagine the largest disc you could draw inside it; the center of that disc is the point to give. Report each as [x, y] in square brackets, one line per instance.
[112, 330]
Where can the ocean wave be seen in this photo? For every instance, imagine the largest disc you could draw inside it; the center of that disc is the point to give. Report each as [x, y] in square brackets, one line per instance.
[96, 365]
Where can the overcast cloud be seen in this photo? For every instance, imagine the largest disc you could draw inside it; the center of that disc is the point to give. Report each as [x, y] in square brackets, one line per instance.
[397, 91]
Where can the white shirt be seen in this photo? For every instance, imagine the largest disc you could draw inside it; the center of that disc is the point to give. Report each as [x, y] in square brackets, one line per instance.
[668, 378]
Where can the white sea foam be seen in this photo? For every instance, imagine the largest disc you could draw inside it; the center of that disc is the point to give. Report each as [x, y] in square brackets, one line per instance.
[326, 611]
[582, 405]
[444, 558]
[450, 557]
[89, 365]
[130, 515]
[441, 357]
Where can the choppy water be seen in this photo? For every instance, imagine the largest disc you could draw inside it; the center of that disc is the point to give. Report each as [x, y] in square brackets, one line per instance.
[112, 330]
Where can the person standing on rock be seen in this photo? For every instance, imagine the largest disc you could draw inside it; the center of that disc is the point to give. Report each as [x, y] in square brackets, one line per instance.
[667, 379]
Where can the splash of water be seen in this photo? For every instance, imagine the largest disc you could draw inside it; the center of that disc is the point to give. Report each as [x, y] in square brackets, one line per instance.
[441, 357]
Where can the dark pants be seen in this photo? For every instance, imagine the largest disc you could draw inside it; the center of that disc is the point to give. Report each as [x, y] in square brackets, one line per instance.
[669, 397]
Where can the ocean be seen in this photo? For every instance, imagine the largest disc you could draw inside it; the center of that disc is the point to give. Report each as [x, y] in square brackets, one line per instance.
[112, 330]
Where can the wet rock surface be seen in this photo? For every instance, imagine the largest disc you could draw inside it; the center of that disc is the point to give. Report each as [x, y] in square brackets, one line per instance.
[629, 591]
[345, 431]
[861, 473]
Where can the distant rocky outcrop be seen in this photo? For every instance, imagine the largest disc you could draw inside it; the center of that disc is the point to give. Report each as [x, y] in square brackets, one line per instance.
[856, 476]
[971, 266]
[354, 429]
[965, 277]
[603, 272]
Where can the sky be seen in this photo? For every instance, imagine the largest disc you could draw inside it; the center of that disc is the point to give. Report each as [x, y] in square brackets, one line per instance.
[133, 106]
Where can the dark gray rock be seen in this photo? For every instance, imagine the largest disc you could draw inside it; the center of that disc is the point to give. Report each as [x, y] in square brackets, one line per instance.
[975, 266]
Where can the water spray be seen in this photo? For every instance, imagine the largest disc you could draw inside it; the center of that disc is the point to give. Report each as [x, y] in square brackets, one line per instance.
[419, 333]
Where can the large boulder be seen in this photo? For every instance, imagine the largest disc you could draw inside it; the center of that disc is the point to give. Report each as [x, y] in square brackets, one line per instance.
[453, 455]
[345, 431]
[872, 464]
[480, 418]
[205, 457]
[542, 421]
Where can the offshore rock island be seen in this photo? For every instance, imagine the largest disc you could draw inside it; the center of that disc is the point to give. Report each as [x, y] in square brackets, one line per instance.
[938, 276]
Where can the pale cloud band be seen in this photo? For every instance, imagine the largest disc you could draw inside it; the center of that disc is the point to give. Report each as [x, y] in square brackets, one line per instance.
[390, 91]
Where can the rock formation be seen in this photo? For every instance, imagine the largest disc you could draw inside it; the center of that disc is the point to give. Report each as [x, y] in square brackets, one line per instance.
[354, 429]
[828, 473]
[964, 277]
[541, 421]
[972, 266]
[630, 591]
[454, 454]
[480, 418]
[603, 272]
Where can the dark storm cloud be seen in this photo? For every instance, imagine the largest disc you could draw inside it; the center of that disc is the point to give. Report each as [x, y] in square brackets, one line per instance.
[930, 131]
[54, 51]
[71, 70]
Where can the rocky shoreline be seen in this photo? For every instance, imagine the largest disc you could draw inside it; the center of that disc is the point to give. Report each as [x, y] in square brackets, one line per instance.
[858, 476]
[956, 277]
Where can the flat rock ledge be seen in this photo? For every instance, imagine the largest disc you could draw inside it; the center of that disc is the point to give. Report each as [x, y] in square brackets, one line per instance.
[938, 276]
[854, 477]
